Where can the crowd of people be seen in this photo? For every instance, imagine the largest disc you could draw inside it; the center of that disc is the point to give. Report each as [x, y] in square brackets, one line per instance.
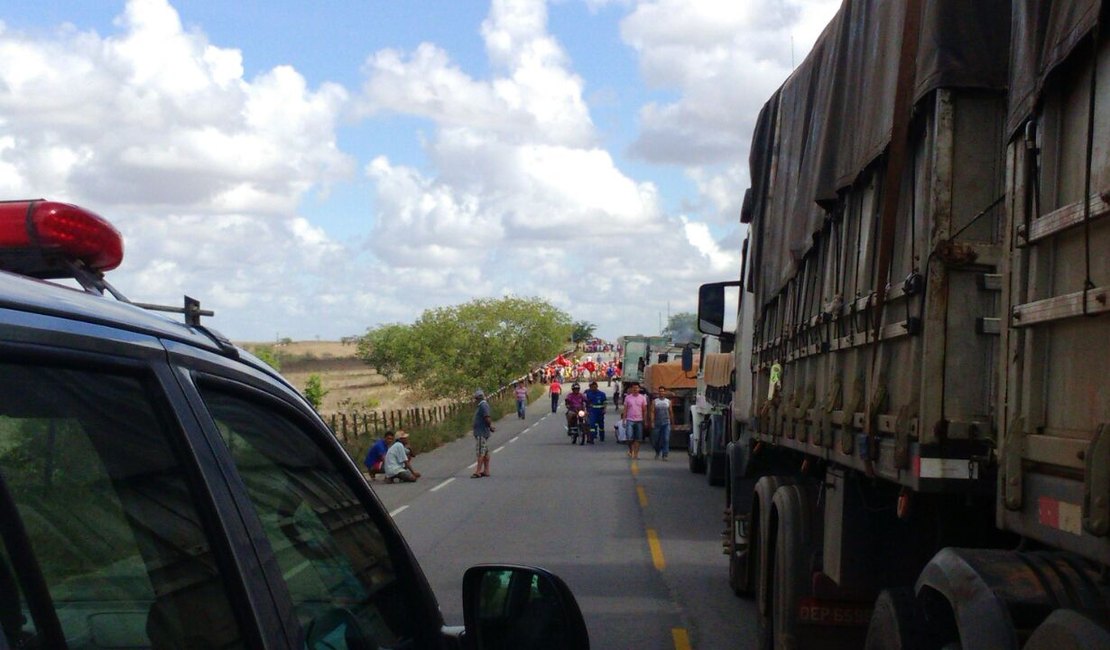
[642, 417]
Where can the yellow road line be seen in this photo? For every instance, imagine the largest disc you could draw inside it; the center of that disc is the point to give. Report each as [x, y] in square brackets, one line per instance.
[643, 496]
[656, 550]
[635, 469]
[681, 639]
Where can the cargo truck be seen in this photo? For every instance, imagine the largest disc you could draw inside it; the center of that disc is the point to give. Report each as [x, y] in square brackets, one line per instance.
[922, 459]
[638, 351]
[680, 387]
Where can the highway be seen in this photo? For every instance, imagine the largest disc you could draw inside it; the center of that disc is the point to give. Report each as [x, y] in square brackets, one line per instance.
[637, 542]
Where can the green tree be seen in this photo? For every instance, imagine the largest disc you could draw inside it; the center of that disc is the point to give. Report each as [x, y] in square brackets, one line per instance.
[583, 331]
[266, 353]
[485, 343]
[682, 328]
[314, 391]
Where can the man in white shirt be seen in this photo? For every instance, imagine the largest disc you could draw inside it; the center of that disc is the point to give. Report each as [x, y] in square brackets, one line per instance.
[662, 415]
[396, 465]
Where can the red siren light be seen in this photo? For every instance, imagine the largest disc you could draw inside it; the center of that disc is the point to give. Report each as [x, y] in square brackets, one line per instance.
[38, 237]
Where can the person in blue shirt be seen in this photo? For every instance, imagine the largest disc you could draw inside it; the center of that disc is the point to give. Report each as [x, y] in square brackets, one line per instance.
[595, 401]
[374, 457]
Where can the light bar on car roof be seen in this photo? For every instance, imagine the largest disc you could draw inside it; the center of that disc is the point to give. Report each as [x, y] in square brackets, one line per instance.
[43, 238]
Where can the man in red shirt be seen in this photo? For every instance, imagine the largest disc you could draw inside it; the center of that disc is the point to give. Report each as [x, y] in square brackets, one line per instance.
[556, 389]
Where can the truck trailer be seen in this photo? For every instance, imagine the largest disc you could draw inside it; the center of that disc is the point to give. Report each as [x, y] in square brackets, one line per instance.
[922, 456]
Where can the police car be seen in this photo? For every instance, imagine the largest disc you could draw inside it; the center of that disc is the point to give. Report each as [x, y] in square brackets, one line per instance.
[161, 488]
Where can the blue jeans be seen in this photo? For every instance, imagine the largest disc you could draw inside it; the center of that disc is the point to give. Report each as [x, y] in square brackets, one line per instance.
[520, 408]
[662, 442]
[554, 402]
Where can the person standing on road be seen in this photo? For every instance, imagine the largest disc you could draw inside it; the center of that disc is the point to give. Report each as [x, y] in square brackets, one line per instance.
[635, 404]
[521, 394]
[483, 427]
[556, 389]
[396, 464]
[595, 400]
[662, 416]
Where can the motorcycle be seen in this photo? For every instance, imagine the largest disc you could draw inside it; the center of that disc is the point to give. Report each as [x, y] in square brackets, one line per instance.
[576, 426]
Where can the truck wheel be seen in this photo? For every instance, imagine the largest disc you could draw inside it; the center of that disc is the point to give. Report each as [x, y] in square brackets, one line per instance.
[697, 463]
[1067, 628]
[714, 465]
[898, 623]
[791, 559]
[738, 506]
[761, 538]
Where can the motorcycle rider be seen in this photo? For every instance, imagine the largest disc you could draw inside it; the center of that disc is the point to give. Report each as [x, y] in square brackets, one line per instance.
[576, 403]
[596, 400]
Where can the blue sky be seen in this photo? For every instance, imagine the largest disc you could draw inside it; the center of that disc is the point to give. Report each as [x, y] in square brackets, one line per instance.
[315, 169]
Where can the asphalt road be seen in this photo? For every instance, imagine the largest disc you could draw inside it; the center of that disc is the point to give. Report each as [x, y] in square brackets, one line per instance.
[637, 542]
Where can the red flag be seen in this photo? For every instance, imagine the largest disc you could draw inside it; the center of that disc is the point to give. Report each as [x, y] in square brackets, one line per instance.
[561, 361]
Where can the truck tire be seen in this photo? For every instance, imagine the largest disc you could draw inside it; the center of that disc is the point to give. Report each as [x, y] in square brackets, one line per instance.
[794, 530]
[760, 538]
[898, 623]
[714, 464]
[741, 563]
[1065, 629]
[697, 463]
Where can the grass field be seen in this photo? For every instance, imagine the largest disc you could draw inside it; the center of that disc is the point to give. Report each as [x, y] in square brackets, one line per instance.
[351, 384]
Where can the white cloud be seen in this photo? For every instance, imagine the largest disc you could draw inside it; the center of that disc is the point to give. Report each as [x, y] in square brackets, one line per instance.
[203, 169]
[518, 198]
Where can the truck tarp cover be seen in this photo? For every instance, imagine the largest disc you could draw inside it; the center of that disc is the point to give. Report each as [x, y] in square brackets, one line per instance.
[1044, 35]
[832, 117]
[669, 375]
[718, 369]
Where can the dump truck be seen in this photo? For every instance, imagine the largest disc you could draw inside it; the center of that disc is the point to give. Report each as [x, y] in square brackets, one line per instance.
[923, 457]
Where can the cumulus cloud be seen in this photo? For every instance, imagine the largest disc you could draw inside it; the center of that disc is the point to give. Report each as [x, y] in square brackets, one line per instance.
[158, 129]
[204, 169]
[518, 197]
[722, 60]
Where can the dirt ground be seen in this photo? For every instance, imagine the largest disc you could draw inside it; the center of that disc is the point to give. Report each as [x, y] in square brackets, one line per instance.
[351, 385]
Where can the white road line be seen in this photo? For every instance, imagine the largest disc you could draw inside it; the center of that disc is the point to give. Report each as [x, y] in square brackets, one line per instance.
[513, 439]
[472, 465]
[398, 511]
[498, 449]
[442, 484]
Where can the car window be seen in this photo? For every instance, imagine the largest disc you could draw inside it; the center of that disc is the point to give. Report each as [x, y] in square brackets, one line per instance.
[334, 559]
[105, 513]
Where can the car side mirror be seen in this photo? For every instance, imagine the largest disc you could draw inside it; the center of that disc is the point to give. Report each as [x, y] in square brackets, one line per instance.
[509, 607]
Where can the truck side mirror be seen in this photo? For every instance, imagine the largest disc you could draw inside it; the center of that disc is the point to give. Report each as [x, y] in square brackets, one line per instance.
[687, 358]
[508, 606]
[711, 307]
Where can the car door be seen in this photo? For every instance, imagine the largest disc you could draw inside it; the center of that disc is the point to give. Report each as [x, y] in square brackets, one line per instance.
[330, 552]
[110, 536]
